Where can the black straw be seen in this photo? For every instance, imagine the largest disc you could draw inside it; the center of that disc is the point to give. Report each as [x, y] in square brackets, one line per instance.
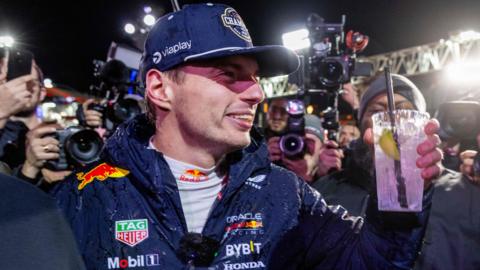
[401, 188]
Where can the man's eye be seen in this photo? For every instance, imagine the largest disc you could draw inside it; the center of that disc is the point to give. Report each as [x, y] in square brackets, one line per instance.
[229, 74]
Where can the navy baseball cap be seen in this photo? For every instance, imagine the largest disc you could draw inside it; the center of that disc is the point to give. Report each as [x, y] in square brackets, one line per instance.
[207, 31]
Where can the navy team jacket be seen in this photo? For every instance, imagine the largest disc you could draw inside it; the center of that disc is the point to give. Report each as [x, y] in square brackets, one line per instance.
[126, 213]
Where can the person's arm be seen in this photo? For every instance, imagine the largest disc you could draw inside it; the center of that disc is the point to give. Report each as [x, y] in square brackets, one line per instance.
[327, 237]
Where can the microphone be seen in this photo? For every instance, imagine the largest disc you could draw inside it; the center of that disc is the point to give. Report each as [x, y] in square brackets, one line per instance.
[197, 249]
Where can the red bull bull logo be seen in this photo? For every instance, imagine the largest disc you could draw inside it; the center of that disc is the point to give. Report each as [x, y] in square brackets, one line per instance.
[101, 173]
[193, 175]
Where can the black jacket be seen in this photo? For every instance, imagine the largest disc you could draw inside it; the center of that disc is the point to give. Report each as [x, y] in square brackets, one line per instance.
[34, 234]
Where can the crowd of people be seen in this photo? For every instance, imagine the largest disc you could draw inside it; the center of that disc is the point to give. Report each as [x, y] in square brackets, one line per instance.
[191, 183]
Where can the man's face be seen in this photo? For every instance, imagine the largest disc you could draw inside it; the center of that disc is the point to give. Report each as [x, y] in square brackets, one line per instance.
[215, 104]
[277, 116]
[380, 104]
[347, 134]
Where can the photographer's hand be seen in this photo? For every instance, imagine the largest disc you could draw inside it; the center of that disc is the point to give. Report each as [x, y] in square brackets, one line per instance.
[39, 149]
[330, 158]
[350, 95]
[467, 157]
[92, 117]
[53, 176]
[274, 151]
[14, 96]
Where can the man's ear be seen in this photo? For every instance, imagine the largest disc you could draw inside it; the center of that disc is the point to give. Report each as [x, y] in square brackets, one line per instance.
[43, 93]
[158, 91]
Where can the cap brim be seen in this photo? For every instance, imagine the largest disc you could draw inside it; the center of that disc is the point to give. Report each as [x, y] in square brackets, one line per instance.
[273, 60]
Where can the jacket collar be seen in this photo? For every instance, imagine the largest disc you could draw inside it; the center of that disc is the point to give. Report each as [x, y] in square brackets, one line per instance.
[128, 148]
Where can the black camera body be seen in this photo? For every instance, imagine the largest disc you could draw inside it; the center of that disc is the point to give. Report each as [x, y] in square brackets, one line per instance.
[332, 59]
[78, 146]
[292, 143]
[116, 112]
[332, 62]
[459, 120]
[113, 86]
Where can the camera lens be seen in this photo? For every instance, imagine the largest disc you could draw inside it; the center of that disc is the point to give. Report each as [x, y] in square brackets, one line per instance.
[125, 110]
[291, 144]
[84, 146]
[331, 72]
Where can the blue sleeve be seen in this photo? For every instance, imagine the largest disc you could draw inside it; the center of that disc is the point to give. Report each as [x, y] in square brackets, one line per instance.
[328, 238]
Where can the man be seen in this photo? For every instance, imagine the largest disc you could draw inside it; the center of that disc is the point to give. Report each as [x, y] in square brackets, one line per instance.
[24, 144]
[319, 158]
[35, 233]
[450, 231]
[197, 188]
[347, 133]
[277, 117]
[353, 186]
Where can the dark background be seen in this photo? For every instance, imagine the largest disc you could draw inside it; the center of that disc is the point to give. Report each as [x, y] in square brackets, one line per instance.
[66, 36]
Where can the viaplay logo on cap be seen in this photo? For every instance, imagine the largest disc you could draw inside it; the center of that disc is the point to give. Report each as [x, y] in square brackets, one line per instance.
[172, 50]
[234, 22]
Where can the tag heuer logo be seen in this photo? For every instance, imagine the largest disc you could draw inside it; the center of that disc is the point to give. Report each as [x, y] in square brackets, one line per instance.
[131, 232]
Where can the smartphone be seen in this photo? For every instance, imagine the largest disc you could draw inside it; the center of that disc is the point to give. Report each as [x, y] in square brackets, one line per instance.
[19, 63]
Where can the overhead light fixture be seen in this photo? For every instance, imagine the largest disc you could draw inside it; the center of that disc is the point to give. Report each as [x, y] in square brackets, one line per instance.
[147, 9]
[129, 28]
[149, 19]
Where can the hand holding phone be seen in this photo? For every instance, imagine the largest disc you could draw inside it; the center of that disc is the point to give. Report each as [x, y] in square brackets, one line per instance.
[19, 63]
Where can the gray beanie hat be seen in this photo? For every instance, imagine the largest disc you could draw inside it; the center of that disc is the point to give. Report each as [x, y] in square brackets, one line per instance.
[401, 86]
[313, 125]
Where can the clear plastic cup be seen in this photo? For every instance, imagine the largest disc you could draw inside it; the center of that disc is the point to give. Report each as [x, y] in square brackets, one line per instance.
[399, 181]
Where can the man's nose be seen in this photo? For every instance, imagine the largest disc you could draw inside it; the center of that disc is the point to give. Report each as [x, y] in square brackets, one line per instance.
[253, 95]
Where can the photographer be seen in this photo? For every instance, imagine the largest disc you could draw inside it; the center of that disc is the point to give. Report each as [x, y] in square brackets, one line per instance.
[116, 104]
[20, 117]
[319, 158]
[23, 146]
[277, 117]
[348, 132]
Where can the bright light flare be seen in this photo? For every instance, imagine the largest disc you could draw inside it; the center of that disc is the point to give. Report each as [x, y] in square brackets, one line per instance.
[129, 28]
[48, 83]
[310, 109]
[147, 9]
[469, 35]
[296, 40]
[149, 20]
[6, 41]
[464, 73]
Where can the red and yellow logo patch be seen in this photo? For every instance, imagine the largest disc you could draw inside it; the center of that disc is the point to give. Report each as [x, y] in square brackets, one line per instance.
[101, 173]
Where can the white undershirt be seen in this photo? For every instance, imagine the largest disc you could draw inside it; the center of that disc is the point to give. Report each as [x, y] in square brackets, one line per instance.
[198, 188]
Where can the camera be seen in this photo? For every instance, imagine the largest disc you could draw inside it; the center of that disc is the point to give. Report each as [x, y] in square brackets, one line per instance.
[114, 86]
[78, 146]
[332, 59]
[459, 120]
[331, 62]
[292, 143]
